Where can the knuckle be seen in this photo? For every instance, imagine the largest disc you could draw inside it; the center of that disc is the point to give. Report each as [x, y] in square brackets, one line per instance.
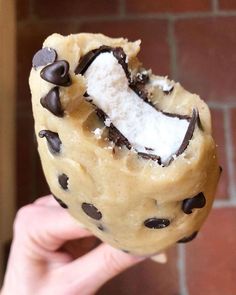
[113, 264]
[23, 217]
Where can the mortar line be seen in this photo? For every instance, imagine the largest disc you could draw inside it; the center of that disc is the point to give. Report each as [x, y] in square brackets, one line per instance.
[32, 15]
[181, 264]
[157, 16]
[31, 9]
[182, 15]
[221, 105]
[228, 203]
[215, 6]
[72, 20]
[173, 50]
[229, 152]
[122, 8]
[193, 15]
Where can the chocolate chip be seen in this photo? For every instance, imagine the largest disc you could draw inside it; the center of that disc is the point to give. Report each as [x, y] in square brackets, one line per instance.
[53, 140]
[52, 102]
[91, 211]
[189, 238]
[60, 202]
[57, 73]
[156, 223]
[100, 227]
[44, 57]
[63, 181]
[199, 201]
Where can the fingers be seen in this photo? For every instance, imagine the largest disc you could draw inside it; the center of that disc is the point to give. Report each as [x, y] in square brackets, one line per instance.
[46, 201]
[98, 266]
[160, 258]
[47, 226]
[49, 200]
[80, 247]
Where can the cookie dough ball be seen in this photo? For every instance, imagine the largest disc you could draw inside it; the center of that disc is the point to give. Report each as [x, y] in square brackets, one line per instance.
[129, 154]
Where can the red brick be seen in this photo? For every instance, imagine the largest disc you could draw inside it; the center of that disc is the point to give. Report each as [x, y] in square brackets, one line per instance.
[233, 136]
[153, 33]
[147, 278]
[150, 6]
[219, 136]
[227, 4]
[22, 9]
[74, 8]
[210, 259]
[29, 39]
[24, 158]
[206, 57]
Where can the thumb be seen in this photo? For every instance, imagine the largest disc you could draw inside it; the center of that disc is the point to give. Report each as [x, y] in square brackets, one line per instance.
[92, 270]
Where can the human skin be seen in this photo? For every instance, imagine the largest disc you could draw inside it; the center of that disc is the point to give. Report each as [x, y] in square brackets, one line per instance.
[39, 264]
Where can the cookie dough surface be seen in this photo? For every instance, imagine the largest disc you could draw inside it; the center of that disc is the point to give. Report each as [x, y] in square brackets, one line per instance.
[132, 202]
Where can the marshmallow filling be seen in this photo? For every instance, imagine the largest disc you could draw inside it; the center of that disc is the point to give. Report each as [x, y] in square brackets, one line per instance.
[150, 132]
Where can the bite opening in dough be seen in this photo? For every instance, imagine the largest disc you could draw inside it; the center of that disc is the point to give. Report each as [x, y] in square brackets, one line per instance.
[150, 132]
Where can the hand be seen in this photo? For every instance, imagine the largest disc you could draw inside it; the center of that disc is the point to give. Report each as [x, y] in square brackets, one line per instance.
[39, 264]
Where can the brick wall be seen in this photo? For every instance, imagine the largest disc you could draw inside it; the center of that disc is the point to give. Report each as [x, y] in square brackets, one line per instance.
[191, 41]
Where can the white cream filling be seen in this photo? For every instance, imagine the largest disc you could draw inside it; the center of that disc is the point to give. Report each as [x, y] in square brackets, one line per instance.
[139, 122]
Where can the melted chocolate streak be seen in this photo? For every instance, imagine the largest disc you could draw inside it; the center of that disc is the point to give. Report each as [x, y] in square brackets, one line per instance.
[113, 133]
[138, 86]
